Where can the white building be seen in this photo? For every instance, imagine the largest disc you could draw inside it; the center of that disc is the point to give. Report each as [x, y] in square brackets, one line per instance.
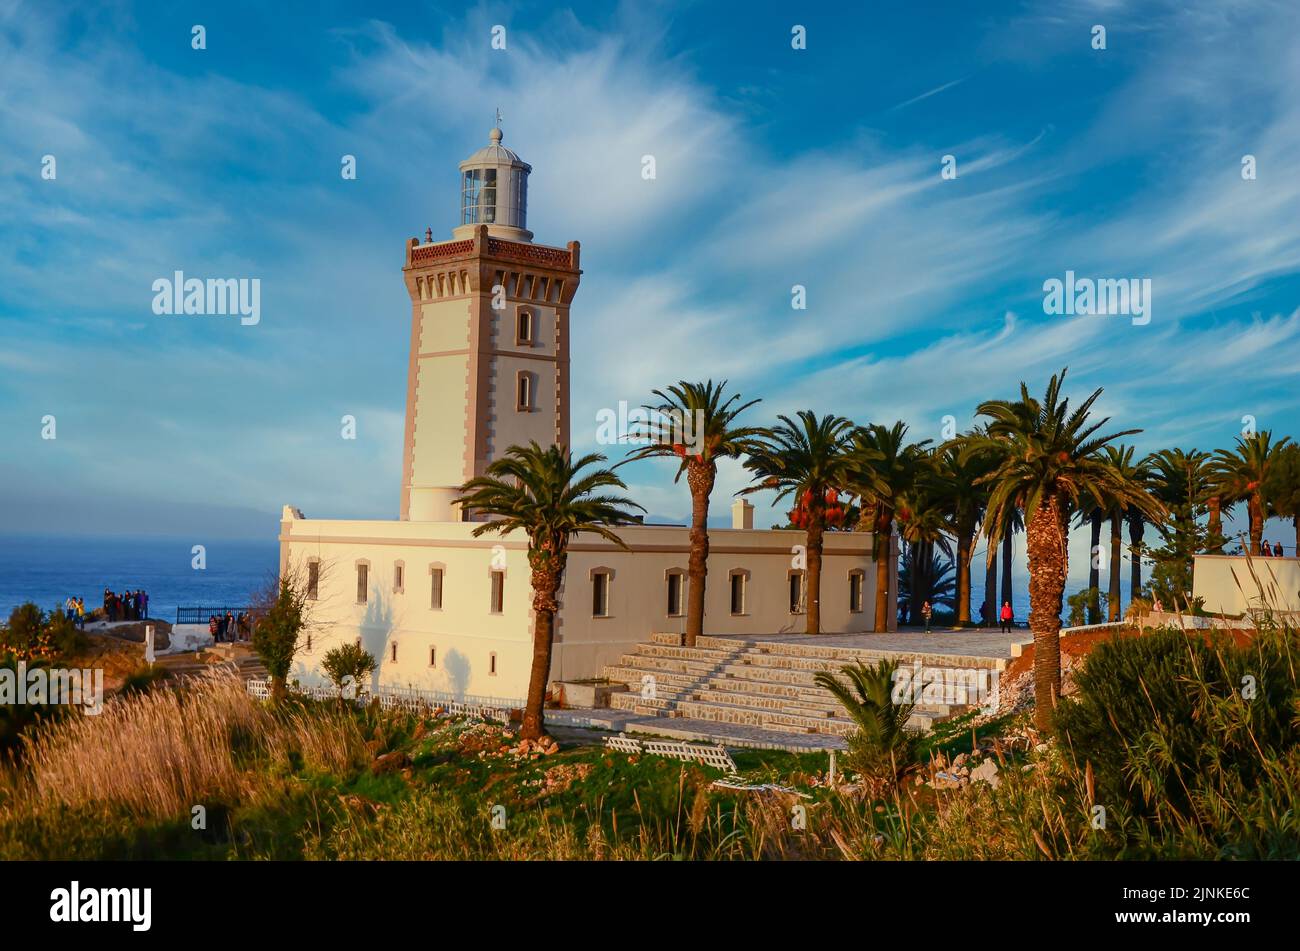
[489, 368]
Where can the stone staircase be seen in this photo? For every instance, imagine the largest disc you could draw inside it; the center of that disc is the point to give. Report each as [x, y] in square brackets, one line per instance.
[247, 664]
[767, 685]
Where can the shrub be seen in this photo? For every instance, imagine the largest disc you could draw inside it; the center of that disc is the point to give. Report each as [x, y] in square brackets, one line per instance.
[881, 749]
[1171, 721]
[349, 660]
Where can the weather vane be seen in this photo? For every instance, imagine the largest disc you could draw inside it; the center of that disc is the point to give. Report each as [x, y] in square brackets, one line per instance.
[499, 117]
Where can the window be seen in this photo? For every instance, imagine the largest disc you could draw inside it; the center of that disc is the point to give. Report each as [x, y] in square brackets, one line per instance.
[313, 580]
[478, 197]
[498, 591]
[675, 586]
[492, 664]
[855, 592]
[796, 592]
[433, 657]
[392, 652]
[600, 594]
[738, 584]
[524, 327]
[399, 577]
[435, 588]
[524, 391]
[363, 582]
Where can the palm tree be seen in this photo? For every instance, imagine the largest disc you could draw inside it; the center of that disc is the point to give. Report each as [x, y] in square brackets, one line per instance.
[881, 749]
[1282, 490]
[808, 459]
[885, 468]
[694, 423]
[1181, 480]
[1240, 473]
[923, 523]
[1050, 460]
[955, 479]
[545, 494]
[926, 575]
[1120, 458]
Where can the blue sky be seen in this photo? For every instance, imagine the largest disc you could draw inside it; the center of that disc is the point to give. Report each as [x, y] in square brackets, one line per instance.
[775, 167]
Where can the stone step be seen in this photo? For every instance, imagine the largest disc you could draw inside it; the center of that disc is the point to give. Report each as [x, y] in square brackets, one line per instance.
[722, 694]
[935, 658]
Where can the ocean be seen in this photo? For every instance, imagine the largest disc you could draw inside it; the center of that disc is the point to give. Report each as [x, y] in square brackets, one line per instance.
[47, 570]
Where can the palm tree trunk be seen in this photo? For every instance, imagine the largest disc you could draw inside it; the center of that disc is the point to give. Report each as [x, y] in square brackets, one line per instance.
[1256, 508]
[700, 478]
[1006, 568]
[543, 635]
[1136, 529]
[1048, 565]
[1116, 549]
[880, 547]
[1296, 522]
[965, 549]
[1094, 569]
[815, 577]
[1215, 528]
[991, 585]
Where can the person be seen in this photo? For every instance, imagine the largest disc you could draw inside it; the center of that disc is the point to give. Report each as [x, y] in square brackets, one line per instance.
[70, 607]
[231, 633]
[1007, 615]
[926, 612]
[213, 628]
[110, 605]
[81, 613]
[144, 602]
[1277, 549]
[1264, 549]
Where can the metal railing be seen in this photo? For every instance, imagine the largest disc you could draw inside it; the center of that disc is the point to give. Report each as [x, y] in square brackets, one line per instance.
[200, 615]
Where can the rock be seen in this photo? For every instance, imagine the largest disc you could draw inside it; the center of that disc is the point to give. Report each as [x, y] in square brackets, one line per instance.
[986, 772]
[390, 763]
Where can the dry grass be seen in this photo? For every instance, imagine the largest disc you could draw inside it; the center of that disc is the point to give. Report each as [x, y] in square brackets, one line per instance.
[155, 754]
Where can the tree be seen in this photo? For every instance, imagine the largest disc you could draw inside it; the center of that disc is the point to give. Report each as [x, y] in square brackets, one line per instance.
[282, 615]
[1240, 473]
[545, 494]
[881, 749]
[1050, 460]
[883, 468]
[1282, 488]
[807, 460]
[695, 424]
[348, 662]
[1137, 473]
[955, 479]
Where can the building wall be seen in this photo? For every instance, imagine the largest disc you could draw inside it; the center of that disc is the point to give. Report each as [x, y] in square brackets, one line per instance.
[1233, 584]
[466, 634]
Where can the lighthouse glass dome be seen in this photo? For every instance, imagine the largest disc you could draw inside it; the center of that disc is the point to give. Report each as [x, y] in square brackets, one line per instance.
[494, 188]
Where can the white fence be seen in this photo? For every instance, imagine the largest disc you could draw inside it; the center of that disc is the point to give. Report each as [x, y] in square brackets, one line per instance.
[409, 699]
[690, 752]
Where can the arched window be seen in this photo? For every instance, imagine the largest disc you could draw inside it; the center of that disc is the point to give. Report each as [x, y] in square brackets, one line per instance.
[524, 391]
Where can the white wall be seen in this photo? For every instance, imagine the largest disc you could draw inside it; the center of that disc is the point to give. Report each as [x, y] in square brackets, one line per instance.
[1233, 584]
[466, 634]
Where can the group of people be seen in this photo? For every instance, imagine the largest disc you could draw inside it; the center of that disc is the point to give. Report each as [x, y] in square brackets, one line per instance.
[128, 606]
[75, 608]
[1265, 553]
[229, 627]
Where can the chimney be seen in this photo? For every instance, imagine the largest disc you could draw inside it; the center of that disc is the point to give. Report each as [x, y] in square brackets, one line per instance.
[742, 515]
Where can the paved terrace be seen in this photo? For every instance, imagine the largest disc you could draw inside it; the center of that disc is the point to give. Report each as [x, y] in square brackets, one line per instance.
[942, 642]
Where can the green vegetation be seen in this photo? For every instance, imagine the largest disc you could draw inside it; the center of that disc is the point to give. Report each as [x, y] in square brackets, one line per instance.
[347, 663]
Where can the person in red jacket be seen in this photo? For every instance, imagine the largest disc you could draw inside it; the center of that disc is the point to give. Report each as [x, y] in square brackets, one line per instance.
[1007, 615]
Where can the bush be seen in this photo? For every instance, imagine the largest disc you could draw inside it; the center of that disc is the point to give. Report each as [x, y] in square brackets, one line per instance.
[881, 749]
[1171, 721]
[347, 660]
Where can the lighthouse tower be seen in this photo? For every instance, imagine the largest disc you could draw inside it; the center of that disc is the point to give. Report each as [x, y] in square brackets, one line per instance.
[489, 364]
